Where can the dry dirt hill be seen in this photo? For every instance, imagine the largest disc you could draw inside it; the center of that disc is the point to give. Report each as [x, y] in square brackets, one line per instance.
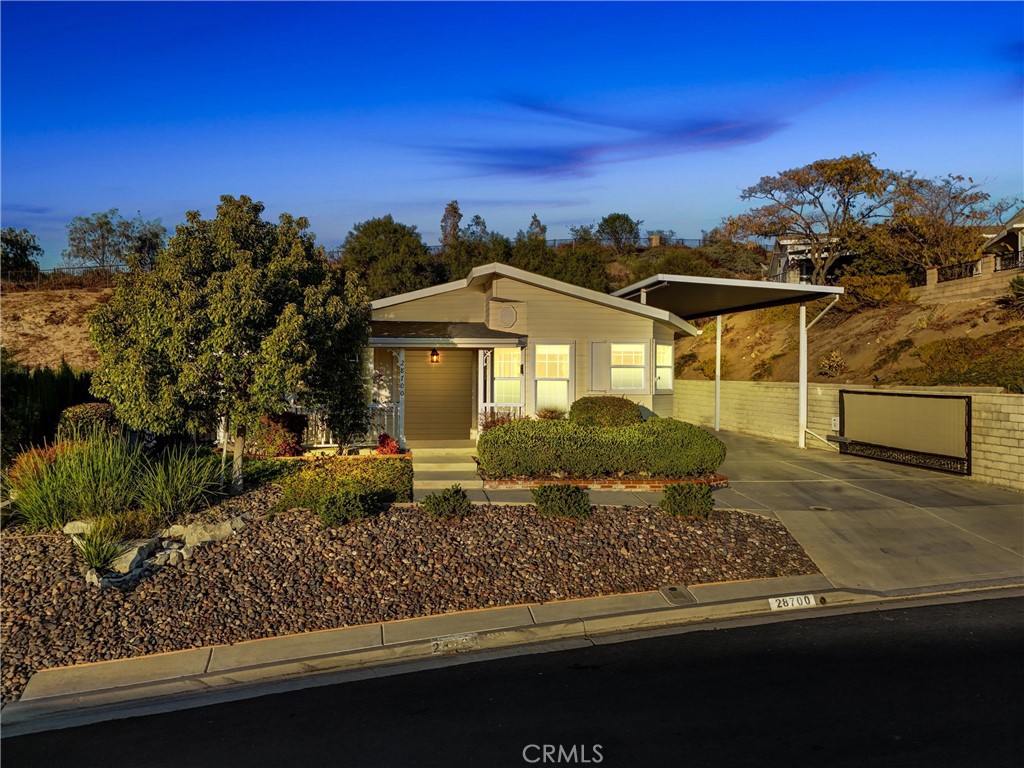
[41, 327]
[869, 346]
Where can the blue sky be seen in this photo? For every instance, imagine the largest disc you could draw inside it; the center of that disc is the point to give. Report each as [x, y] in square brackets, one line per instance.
[345, 111]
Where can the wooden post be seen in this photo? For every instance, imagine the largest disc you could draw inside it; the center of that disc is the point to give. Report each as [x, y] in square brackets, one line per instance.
[224, 454]
[236, 469]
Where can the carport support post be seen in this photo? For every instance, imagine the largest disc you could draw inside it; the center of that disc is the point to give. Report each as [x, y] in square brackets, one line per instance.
[718, 372]
[802, 433]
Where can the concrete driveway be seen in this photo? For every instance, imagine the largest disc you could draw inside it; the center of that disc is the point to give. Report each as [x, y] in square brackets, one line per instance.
[878, 526]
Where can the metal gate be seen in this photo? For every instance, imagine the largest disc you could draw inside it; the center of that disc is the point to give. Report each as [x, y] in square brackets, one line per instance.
[930, 431]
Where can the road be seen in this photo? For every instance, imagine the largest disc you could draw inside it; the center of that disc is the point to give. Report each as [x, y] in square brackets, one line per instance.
[925, 686]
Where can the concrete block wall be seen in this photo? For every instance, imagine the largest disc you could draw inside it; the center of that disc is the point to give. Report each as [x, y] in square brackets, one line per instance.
[769, 409]
[987, 284]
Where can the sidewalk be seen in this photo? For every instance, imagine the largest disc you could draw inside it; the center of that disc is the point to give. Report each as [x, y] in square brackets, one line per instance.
[877, 532]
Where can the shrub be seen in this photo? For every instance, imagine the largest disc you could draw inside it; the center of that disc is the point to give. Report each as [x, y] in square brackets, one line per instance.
[1014, 300]
[993, 360]
[179, 482]
[492, 419]
[278, 435]
[87, 418]
[452, 502]
[36, 460]
[387, 445]
[345, 506]
[684, 361]
[657, 447]
[605, 412]
[831, 365]
[389, 478]
[551, 413]
[890, 353]
[93, 479]
[873, 291]
[686, 500]
[102, 543]
[562, 501]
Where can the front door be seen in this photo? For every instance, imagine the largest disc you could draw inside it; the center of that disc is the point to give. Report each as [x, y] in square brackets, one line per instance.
[439, 398]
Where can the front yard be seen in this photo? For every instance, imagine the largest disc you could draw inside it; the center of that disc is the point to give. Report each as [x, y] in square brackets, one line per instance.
[286, 573]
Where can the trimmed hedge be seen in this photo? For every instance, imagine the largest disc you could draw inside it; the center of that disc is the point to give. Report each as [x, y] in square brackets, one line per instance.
[81, 420]
[688, 501]
[656, 448]
[605, 412]
[562, 501]
[387, 479]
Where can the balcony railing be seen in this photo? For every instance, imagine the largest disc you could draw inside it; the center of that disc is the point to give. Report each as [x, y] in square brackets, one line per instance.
[1006, 261]
[959, 271]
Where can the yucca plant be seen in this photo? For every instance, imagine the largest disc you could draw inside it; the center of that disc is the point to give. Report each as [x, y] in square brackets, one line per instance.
[102, 544]
[180, 481]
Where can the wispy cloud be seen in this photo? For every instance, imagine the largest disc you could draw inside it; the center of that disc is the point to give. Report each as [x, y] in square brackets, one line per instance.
[607, 139]
[33, 210]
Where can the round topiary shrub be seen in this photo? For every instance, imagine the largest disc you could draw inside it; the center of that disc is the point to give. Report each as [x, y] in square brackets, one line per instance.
[605, 412]
[81, 420]
[452, 502]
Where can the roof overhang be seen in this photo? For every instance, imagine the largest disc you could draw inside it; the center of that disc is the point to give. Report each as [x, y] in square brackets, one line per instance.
[481, 276]
[691, 297]
[403, 333]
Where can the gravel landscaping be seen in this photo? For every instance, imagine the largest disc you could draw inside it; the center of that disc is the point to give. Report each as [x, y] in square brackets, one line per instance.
[287, 574]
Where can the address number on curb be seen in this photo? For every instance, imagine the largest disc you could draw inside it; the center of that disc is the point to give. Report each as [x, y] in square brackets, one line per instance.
[791, 602]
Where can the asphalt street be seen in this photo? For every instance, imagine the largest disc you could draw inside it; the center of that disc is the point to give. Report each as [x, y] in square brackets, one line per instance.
[925, 686]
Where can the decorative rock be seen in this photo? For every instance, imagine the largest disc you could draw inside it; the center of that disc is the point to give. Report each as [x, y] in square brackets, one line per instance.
[186, 552]
[92, 578]
[161, 559]
[201, 533]
[175, 545]
[237, 523]
[174, 557]
[174, 532]
[78, 527]
[134, 555]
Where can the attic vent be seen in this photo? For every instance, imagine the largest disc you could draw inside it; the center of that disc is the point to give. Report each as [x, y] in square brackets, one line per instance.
[507, 317]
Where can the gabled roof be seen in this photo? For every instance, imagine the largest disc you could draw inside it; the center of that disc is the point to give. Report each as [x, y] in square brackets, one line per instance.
[482, 275]
[1016, 224]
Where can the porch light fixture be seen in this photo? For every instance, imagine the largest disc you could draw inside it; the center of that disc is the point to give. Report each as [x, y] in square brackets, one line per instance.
[434, 356]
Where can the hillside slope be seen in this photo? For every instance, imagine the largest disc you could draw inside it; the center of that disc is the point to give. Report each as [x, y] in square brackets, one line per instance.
[41, 327]
[871, 346]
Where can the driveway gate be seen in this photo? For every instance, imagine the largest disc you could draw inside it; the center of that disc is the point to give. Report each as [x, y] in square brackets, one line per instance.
[931, 431]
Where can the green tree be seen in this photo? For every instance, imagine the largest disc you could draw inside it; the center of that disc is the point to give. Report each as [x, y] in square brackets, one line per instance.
[236, 316]
[827, 204]
[530, 250]
[106, 240]
[674, 260]
[389, 257]
[20, 252]
[738, 259]
[620, 231]
[450, 221]
[475, 246]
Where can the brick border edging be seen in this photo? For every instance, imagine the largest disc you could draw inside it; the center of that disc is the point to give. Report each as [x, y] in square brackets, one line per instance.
[652, 486]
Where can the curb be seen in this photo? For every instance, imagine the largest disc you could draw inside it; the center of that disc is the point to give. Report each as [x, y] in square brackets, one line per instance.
[66, 696]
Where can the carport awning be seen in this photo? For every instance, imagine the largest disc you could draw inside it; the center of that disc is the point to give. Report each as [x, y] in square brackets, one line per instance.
[690, 297]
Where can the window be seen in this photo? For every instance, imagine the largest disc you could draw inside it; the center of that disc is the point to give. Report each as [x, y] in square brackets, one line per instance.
[507, 376]
[628, 366]
[552, 374]
[664, 374]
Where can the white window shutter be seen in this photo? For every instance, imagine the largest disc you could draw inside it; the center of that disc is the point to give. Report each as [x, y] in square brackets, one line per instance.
[600, 366]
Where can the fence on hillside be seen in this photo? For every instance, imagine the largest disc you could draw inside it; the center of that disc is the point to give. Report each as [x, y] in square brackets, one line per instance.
[60, 278]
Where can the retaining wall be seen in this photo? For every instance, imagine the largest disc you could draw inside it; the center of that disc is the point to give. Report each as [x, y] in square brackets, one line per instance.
[769, 409]
[986, 284]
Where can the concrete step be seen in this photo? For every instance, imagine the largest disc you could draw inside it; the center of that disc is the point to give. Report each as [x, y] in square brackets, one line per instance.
[442, 451]
[465, 483]
[452, 458]
[453, 477]
[465, 467]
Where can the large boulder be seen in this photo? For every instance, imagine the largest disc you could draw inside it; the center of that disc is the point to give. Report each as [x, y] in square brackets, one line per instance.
[203, 533]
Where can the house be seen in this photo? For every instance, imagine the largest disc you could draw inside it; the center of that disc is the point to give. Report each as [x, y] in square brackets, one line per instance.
[792, 260]
[504, 340]
[1007, 244]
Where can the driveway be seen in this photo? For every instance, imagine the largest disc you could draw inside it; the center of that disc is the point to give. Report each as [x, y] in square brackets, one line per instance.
[877, 526]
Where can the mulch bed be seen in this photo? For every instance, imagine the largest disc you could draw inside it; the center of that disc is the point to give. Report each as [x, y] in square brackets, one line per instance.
[287, 574]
